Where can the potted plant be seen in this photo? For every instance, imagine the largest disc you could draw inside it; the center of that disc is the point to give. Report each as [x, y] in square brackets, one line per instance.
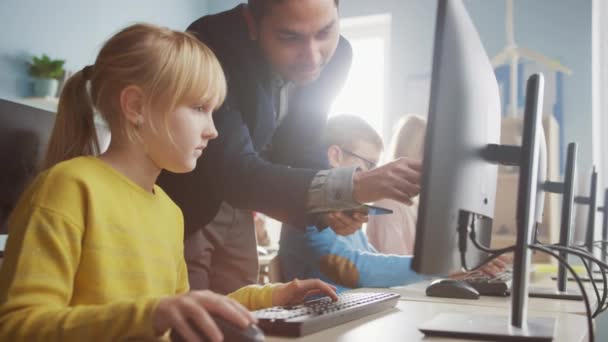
[46, 72]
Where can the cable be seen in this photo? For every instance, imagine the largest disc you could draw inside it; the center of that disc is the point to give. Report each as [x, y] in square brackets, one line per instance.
[578, 281]
[604, 280]
[582, 253]
[493, 253]
[497, 252]
[473, 237]
[600, 304]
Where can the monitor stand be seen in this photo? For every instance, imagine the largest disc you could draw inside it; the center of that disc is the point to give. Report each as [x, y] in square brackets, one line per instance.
[604, 211]
[551, 293]
[567, 190]
[584, 279]
[517, 326]
[489, 327]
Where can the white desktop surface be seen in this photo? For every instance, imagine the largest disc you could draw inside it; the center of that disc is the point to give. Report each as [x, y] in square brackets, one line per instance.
[401, 324]
[416, 292]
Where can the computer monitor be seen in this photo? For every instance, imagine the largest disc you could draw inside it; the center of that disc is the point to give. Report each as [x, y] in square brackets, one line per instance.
[464, 117]
[459, 178]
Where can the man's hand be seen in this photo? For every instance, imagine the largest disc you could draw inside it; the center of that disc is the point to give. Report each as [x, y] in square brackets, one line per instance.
[398, 180]
[344, 223]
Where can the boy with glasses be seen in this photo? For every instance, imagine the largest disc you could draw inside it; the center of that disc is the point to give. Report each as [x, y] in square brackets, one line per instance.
[347, 261]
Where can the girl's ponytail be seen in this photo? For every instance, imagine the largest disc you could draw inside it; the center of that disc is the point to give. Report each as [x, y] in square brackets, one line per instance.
[74, 131]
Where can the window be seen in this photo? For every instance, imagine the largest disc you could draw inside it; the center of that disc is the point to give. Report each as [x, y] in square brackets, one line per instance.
[364, 92]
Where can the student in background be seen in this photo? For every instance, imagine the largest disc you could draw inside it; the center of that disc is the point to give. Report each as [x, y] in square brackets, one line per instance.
[348, 261]
[95, 248]
[395, 234]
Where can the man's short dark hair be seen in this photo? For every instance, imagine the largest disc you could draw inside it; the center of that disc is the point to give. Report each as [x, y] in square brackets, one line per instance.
[260, 8]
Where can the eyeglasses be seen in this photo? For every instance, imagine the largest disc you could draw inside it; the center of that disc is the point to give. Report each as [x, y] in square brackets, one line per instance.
[368, 163]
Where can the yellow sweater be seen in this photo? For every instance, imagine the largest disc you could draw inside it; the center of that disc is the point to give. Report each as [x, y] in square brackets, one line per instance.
[88, 256]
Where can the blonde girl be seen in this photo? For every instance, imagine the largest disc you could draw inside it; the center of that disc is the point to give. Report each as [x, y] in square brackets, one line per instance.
[395, 234]
[95, 248]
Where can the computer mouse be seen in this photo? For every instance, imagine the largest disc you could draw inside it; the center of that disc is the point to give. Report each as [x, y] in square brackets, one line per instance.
[451, 288]
[230, 331]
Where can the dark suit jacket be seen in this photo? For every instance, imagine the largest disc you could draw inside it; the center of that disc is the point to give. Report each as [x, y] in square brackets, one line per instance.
[253, 164]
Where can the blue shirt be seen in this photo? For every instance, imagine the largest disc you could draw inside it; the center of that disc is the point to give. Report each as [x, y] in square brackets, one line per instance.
[345, 261]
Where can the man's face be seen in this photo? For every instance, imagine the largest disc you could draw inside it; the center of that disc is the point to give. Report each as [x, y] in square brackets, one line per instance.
[298, 37]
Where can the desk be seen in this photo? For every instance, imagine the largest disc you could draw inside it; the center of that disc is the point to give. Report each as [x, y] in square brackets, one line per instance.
[416, 292]
[401, 324]
[415, 308]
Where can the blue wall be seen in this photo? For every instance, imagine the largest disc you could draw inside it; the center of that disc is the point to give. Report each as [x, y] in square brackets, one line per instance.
[560, 29]
[74, 30]
[214, 6]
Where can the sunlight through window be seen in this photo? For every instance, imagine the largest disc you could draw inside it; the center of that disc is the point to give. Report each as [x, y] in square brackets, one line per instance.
[364, 91]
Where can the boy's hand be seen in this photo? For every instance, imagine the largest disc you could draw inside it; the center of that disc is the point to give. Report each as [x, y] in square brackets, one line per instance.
[495, 267]
[492, 268]
[296, 291]
[188, 314]
[343, 223]
[398, 180]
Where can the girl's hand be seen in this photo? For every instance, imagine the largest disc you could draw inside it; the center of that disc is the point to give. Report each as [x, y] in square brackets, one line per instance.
[189, 315]
[296, 291]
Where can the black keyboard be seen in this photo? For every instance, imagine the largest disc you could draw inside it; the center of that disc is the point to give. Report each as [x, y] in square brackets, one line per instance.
[499, 285]
[322, 313]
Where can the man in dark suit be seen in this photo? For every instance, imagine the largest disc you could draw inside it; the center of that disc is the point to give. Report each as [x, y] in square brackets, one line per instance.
[285, 62]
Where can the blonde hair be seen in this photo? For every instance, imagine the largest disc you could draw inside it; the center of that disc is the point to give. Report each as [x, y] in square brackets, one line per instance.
[408, 140]
[171, 68]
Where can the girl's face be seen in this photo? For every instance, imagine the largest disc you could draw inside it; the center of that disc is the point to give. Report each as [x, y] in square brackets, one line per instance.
[177, 146]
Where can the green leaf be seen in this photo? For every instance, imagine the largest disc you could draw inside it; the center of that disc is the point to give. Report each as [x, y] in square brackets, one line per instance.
[45, 67]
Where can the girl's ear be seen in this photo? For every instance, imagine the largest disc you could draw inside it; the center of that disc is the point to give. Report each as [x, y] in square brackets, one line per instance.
[132, 105]
[334, 155]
